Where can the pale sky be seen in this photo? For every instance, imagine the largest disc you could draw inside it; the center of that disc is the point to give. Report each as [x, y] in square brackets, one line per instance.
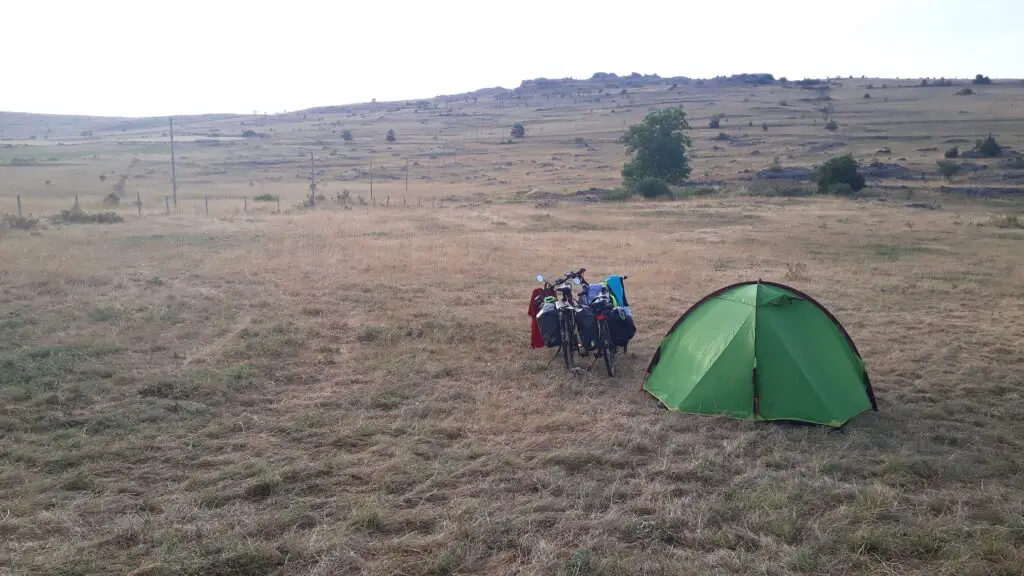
[141, 58]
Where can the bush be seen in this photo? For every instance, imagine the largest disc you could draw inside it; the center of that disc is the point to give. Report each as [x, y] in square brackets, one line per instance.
[346, 135]
[652, 188]
[20, 222]
[948, 169]
[112, 200]
[867, 95]
[964, 91]
[518, 130]
[953, 152]
[1008, 221]
[980, 79]
[390, 136]
[619, 195]
[250, 134]
[840, 170]
[831, 126]
[265, 198]
[988, 147]
[76, 215]
[715, 122]
[841, 189]
[722, 136]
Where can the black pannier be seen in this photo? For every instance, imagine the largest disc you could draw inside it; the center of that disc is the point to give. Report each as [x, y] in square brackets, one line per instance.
[548, 322]
[586, 325]
[621, 326]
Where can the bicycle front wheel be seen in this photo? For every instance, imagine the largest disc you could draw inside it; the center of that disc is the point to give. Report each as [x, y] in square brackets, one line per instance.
[567, 345]
[605, 341]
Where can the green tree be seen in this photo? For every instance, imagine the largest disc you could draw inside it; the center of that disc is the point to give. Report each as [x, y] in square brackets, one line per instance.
[518, 130]
[831, 126]
[948, 168]
[989, 146]
[838, 171]
[391, 135]
[346, 135]
[953, 152]
[656, 148]
[715, 122]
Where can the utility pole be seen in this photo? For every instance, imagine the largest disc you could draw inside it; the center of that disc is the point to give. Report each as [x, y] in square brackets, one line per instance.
[371, 179]
[174, 176]
[312, 182]
[406, 173]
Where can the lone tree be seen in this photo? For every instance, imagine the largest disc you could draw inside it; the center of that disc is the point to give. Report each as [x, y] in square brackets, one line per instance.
[840, 175]
[715, 122]
[518, 130]
[391, 135]
[656, 148]
[346, 135]
[948, 168]
[988, 147]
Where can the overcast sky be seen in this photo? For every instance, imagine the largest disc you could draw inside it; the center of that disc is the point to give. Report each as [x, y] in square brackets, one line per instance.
[135, 58]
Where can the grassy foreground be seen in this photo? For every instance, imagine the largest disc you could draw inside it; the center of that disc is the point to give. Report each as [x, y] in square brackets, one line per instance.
[352, 392]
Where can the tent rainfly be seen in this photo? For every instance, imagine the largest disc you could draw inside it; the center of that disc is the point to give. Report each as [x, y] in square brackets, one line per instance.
[761, 351]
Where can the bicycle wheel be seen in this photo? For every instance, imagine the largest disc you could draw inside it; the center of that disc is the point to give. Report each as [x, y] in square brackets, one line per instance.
[566, 345]
[604, 341]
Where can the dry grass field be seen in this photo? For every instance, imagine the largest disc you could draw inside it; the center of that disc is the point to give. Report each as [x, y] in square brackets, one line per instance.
[351, 391]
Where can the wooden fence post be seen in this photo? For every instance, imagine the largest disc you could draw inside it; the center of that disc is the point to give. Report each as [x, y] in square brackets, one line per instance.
[19, 205]
[278, 203]
[387, 202]
[167, 204]
[76, 200]
[206, 199]
[138, 201]
[245, 204]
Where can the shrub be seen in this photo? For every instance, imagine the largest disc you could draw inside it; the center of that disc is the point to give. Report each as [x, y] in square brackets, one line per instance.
[988, 147]
[112, 200]
[715, 122]
[652, 188]
[841, 189]
[390, 136]
[518, 130]
[619, 195]
[76, 215]
[953, 152]
[840, 170]
[981, 79]
[250, 134]
[948, 169]
[20, 222]
[867, 95]
[764, 126]
[831, 126]
[722, 136]
[1008, 221]
[965, 91]
[265, 198]
[346, 135]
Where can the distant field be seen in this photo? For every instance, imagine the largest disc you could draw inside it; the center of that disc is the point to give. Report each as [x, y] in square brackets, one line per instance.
[350, 391]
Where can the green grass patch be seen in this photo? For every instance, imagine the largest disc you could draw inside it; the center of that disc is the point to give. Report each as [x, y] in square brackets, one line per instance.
[896, 251]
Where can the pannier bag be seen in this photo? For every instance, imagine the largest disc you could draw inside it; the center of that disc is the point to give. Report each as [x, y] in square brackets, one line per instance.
[621, 326]
[547, 320]
[586, 325]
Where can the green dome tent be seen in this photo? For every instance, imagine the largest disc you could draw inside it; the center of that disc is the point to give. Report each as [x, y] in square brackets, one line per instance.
[761, 351]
